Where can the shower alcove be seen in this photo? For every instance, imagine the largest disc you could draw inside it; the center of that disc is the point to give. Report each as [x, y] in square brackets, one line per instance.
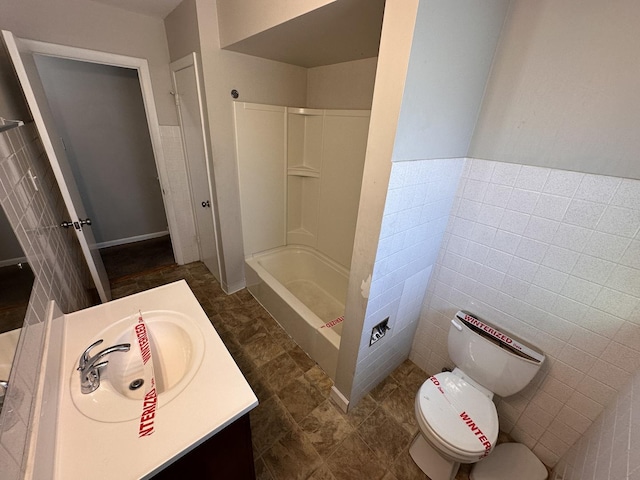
[300, 172]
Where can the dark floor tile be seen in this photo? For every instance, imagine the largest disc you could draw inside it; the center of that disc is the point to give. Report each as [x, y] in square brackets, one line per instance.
[404, 369]
[174, 275]
[326, 428]
[299, 356]
[361, 411]
[280, 371]
[152, 281]
[292, 457]
[384, 388]
[223, 303]
[260, 385]
[244, 295]
[384, 436]
[133, 258]
[269, 422]
[262, 472]
[220, 324]
[464, 472]
[400, 404]
[319, 379]
[414, 380]
[262, 350]
[236, 320]
[278, 333]
[120, 291]
[322, 473]
[250, 332]
[405, 468]
[300, 398]
[353, 460]
[242, 360]
[12, 317]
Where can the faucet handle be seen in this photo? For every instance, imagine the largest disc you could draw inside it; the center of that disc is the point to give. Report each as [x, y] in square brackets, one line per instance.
[84, 358]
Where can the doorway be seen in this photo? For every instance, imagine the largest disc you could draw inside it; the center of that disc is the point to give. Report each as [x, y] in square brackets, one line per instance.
[21, 52]
[99, 113]
[188, 94]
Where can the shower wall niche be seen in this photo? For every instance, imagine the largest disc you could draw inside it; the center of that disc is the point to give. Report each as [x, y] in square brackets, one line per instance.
[300, 173]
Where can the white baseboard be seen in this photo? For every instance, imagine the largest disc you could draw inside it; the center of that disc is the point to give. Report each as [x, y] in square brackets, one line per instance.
[13, 261]
[137, 238]
[339, 399]
[233, 288]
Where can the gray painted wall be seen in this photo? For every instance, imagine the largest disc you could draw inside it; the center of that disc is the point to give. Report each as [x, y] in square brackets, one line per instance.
[96, 26]
[12, 103]
[99, 112]
[183, 34]
[563, 91]
[453, 48]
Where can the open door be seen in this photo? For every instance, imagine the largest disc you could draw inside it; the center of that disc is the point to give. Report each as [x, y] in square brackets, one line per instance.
[189, 102]
[22, 57]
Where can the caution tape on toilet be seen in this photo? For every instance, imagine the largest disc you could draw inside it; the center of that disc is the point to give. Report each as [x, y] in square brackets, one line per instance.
[501, 337]
[468, 420]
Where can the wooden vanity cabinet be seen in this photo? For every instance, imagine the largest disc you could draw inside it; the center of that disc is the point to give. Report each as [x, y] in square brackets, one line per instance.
[226, 455]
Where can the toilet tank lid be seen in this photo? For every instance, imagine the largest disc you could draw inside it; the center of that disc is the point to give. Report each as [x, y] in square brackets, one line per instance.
[506, 340]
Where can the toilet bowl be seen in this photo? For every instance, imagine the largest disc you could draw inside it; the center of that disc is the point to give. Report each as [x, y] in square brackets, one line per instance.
[455, 412]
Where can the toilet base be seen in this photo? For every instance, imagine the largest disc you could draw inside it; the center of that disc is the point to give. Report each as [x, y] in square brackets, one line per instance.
[430, 461]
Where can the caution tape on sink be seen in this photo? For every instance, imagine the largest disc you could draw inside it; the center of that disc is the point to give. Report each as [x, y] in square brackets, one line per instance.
[150, 401]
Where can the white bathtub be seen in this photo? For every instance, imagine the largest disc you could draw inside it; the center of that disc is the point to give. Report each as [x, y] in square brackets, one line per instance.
[305, 291]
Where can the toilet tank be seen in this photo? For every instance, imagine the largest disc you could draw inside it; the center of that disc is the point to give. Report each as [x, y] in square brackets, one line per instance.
[492, 357]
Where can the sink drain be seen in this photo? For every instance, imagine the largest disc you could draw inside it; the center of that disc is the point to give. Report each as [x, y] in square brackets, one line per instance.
[136, 384]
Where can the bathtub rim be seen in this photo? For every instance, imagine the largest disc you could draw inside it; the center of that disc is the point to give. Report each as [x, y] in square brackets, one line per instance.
[323, 338]
[305, 248]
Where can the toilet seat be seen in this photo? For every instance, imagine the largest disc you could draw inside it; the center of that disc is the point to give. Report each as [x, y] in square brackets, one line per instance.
[456, 417]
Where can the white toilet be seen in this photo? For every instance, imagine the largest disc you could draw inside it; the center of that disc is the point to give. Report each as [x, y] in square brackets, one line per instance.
[455, 412]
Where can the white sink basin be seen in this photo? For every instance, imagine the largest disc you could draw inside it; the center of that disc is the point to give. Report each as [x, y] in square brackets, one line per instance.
[177, 350]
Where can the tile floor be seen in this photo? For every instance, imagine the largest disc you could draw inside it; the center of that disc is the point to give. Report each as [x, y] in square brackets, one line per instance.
[15, 290]
[298, 433]
[133, 258]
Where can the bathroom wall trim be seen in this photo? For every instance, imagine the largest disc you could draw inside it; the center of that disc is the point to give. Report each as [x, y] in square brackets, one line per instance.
[339, 399]
[13, 261]
[135, 238]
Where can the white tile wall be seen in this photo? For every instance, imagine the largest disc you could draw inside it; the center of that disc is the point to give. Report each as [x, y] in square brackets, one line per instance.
[610, 448]
[417, 208]
[552, 256]
[55, 258]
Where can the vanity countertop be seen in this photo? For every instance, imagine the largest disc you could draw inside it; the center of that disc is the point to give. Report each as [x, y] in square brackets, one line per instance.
[217, 395]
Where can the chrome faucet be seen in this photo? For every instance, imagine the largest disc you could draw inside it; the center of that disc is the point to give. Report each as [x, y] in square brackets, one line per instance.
[90, 370]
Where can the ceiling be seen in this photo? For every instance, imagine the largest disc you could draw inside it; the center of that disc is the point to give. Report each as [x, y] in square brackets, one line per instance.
[341, 31]
[152, 8]
[338, 32]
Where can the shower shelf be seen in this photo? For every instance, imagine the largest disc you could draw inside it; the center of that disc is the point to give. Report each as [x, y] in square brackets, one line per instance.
[306, 111]
[303, 171]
